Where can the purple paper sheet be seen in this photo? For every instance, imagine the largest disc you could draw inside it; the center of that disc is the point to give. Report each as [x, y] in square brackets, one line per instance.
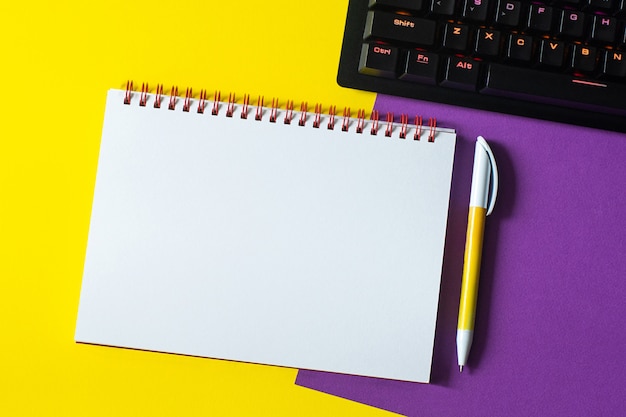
[550, 337]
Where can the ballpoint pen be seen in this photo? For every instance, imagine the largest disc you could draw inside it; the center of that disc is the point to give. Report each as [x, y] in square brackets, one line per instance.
[485, 173]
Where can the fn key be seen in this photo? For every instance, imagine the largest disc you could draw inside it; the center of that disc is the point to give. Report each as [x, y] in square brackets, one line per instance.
[378, 60]
[421, 67]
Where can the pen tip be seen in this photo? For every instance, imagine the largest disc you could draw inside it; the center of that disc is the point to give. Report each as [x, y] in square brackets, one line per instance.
[460, 368]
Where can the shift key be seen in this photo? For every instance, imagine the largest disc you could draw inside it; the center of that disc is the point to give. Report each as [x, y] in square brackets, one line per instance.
[399, 28]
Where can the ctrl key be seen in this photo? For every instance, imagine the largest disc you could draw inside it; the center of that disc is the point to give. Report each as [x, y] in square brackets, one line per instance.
[378, 60]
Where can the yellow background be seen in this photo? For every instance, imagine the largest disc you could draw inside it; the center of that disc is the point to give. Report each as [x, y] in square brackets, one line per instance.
[58, 59]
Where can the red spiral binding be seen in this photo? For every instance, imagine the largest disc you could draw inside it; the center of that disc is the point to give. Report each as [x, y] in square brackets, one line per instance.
[173, 98]
[231, 107]
[202, 102]
[259, 108]
[404, 123]
[158, 96]
[375, 118]
[389, 128]
[345, 124]
[144, 94]
[360, 121]
[289, 112]
[318, 115]
[303, 109]
[129, 92]
[187, 102]
[331, 119]
[244, 108]
[418, 128]
[216, 103]
[432, 124]
[274, 110]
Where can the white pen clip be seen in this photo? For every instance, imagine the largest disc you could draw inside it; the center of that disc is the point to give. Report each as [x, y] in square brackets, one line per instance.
[494, 174]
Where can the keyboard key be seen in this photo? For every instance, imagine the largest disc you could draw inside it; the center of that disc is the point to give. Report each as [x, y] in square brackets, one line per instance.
[487, 42]
[552, 53]
[614, 63]
[400, 28]
[508, 12]
[476, 10]
[461, 73]
[553, 88]
[572, 23]
[604, 28]
[520, 47]
[421, 67]
[584, 58]
[540, 18]
[455, 36]
[600, 4]
[408, 5]
[379, 60]
[443, 7]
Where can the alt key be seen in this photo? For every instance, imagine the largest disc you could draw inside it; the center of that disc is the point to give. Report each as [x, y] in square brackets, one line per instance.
[421, 67]
[461, 73]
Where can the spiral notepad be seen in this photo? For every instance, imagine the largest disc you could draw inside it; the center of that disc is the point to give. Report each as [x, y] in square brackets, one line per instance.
[278, 235]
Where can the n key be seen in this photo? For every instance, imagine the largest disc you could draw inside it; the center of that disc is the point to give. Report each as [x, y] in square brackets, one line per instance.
[614, 63]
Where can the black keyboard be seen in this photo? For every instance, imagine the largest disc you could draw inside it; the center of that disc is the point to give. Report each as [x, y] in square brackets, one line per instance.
[562, 60]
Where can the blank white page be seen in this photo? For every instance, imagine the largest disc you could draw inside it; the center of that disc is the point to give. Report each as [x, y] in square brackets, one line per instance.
[264, 242]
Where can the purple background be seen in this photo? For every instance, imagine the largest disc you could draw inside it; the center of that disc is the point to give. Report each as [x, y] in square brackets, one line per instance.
[550, 334]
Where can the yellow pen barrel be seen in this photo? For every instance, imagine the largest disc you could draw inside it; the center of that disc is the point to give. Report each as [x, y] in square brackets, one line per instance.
[471, 267]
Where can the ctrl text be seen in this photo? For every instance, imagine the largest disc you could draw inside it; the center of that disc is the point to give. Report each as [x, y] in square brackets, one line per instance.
[382, 51]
